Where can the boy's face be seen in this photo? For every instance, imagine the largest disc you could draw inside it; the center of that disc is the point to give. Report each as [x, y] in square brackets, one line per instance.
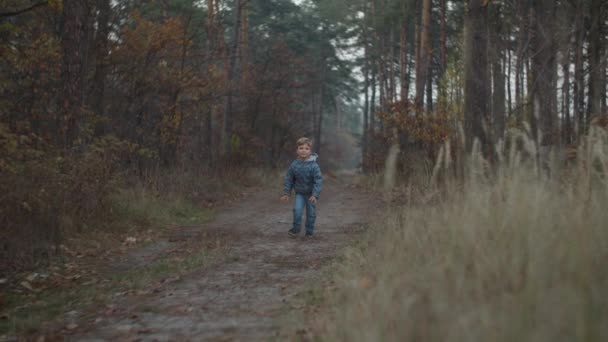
[303, 151]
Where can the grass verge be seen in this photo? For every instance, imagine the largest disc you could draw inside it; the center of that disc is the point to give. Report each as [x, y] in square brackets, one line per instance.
[138, 217]
[518, 257]
[58, 302]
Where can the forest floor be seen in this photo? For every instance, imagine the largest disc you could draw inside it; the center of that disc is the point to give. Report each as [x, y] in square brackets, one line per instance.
[252, 271]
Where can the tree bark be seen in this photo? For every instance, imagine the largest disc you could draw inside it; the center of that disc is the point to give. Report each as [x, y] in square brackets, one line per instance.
[567, 130]
[476, 75]
[372, 104]
[429, 89]
[101, 52]
[403, 72]
[509, 84]
[364, 141]
[32, 7]
[522, 45]
[595, 60]
[425, 49]
[244, 43]
[391, 67]
[234, 73]
[543, 71]
[443, 55]
[498, 78]
[72, 45]
[319, 130]
[604, 79]
[164, 6]
[579, 86]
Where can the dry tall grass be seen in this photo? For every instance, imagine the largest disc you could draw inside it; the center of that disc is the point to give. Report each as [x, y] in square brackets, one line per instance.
[518, 257]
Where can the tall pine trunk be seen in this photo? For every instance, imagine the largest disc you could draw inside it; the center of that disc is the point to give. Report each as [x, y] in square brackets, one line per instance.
[477, 80]
[443, 55]
[234, 74]
[522, 45]
[403, 63]
[422, 64]
[101, 52]
[579, 86]
[498, 78]
[72, 45]
[595, 60]
[543, 73]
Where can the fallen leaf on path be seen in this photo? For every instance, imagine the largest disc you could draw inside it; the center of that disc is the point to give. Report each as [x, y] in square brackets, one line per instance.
[126, 328]
[366, 282]
[28, 286]
[71, 326]
[130, 240]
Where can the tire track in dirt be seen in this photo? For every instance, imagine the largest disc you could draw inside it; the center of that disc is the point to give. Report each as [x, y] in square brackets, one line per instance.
[239, 300]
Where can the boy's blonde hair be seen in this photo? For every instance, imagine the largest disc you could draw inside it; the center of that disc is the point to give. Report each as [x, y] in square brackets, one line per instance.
[304, 141]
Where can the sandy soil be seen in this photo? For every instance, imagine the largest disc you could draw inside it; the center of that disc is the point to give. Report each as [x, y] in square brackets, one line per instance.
[239, 299]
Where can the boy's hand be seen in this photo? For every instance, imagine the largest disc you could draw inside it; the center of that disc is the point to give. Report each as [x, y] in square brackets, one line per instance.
[285, 198]
[313, 200]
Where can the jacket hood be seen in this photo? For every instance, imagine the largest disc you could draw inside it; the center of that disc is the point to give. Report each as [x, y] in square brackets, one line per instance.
[313, 157]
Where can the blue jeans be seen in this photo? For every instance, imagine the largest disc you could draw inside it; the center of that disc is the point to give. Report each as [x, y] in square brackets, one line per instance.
[298, 207]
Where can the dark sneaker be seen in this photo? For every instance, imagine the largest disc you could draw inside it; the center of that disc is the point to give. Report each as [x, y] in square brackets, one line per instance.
[308, 235]
[292, 232]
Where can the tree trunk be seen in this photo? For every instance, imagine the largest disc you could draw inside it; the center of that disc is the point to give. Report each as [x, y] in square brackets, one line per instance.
[498, 78]
[443, 55]
[509, 95]
[476, 75]
[543, 71]
[211, 21]
[319, 129]
[567, 130]
[101, 52]
[233, 75]
[72, 44]
[579, 85]
[429, 89]
[364, 141]
[244, 43]
[604, 79]
[595, 60]
[522, 45]
[403, 72]
[391, 67]
[372, 105]
[425, 49]
[164, 6]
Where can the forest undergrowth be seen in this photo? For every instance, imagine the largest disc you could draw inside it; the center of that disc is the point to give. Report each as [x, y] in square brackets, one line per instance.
[66, 217]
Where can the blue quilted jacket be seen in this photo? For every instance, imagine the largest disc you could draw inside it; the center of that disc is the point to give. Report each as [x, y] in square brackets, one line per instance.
[304, 176]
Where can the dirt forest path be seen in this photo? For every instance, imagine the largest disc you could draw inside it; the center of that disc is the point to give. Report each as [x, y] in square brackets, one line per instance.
[241, 299]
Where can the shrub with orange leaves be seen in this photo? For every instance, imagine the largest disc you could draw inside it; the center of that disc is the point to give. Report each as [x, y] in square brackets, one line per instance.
[430, 129]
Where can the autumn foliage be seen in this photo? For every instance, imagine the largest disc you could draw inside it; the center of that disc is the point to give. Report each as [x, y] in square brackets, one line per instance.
[430, 130]
[129, 91]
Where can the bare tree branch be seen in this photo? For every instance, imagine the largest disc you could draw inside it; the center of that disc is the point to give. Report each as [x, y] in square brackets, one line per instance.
[21, 11]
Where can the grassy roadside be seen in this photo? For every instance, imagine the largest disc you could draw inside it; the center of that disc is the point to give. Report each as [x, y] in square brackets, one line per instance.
[79, 278]
[517, 258]
[41, 309]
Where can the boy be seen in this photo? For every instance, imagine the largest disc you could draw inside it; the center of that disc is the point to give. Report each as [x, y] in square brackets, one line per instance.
[304, 176]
